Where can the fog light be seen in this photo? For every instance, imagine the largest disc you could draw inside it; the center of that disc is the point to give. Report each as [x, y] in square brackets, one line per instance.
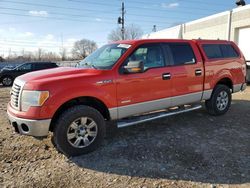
[25, 128]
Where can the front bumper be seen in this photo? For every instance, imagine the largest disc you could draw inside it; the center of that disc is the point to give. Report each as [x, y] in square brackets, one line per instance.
[244, 86]
[36, 128]
[239, 87]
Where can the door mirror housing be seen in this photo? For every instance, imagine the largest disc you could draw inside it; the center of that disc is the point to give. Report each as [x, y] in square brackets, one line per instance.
[134, 67]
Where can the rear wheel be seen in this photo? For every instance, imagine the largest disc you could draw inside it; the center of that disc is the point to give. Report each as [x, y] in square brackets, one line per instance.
[220, 100]
[79, 130]
[7, 81]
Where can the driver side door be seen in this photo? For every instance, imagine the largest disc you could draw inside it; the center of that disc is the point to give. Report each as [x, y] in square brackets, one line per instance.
[150, 90]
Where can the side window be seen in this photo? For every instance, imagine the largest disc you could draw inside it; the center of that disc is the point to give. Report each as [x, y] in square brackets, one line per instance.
[228, 51]
[39, 66]
[212, 51]
[25, 67]
[150, 55]
[182, 53]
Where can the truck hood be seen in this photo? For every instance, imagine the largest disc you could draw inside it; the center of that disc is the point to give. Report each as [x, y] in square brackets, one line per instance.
[57, 74]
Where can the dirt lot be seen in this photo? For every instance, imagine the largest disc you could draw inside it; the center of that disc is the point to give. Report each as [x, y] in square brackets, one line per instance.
[188, 150]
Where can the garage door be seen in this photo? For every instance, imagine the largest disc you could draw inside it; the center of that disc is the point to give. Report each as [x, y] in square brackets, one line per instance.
[244, 42]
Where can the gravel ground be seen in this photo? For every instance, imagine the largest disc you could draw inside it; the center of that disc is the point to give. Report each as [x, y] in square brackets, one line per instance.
[187, 150]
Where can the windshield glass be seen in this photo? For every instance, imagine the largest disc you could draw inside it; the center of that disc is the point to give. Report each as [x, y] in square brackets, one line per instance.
[104, 57]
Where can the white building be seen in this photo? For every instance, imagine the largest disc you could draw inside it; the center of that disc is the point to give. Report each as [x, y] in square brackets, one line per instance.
[231, 25]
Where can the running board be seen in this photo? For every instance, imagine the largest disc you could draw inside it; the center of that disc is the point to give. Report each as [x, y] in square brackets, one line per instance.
[153, 116]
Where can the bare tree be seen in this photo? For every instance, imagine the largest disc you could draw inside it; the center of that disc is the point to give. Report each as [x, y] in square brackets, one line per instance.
[1, 59]
[131, 32]
[63, 53]
[83, 48]
[39, 54]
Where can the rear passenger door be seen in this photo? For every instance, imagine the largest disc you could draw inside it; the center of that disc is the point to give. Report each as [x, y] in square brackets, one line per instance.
[186, 71]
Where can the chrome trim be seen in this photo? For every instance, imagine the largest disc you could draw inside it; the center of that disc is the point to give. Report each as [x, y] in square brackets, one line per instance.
[207, 94]
[104, 82]
[186, 99]
[149, 106]
[37, 128]
[244, 86]
[139, 108]
[20, 83]
[154, 117]
[113, 112]
[238, 87]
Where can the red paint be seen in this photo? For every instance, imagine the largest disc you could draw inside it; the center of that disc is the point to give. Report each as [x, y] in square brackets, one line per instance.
[65, 84]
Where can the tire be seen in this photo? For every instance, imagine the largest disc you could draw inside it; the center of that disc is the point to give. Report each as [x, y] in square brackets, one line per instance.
[79, 130]
[220, 100]
[7, 81]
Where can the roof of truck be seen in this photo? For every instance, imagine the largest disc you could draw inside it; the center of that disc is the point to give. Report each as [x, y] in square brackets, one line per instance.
[167, 40]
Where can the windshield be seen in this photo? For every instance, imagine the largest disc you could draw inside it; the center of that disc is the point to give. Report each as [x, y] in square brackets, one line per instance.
[104, 57]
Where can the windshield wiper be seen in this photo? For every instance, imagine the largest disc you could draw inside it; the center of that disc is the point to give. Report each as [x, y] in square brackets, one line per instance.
[90, 65]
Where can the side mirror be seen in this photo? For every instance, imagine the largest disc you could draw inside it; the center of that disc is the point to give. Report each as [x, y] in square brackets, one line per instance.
[134, 67]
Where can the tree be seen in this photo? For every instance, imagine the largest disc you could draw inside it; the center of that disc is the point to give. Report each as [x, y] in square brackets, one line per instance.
[83, 48]
[1, 59]
[39, 54]
[63, 53]
[131, 32]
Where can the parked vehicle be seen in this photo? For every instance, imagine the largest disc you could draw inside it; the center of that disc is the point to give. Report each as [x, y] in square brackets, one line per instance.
[9, 67]
[128, 82]
[7, 75]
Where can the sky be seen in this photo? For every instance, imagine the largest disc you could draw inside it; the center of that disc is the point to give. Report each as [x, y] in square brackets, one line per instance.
[27, 25]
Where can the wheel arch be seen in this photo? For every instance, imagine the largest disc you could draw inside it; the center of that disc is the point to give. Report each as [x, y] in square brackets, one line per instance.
[225, 81]
[88, 101]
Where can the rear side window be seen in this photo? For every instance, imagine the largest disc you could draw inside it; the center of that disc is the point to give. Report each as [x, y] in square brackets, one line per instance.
[182, 53]
[228, 51]
[214, 51]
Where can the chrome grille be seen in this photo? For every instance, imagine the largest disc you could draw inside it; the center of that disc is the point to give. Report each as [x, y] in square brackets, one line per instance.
[15, 93]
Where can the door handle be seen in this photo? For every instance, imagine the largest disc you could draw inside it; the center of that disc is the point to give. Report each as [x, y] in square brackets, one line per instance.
[166, 76]
[198, 72]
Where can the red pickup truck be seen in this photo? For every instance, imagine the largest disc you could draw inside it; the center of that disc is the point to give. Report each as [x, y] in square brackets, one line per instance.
[128, 82]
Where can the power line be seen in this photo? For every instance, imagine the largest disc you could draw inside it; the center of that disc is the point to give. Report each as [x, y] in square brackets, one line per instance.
[189, 1]
[53, 6]
[108, 12]
[54, 18]
[105, 12]
[74, 15]
[139, 7]
[78, 15]
[55, 13]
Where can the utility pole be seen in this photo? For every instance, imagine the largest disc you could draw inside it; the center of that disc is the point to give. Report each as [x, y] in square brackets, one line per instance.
[154, 28]
[121, 20]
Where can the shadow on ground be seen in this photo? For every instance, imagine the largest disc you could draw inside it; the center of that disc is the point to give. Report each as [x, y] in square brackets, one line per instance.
[193, 147]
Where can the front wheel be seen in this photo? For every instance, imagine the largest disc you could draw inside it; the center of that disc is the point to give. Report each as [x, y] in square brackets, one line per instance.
[7, 81]
[79, 130]
[220, 100]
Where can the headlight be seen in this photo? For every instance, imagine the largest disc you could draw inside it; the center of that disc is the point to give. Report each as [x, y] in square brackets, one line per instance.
[33, 98]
